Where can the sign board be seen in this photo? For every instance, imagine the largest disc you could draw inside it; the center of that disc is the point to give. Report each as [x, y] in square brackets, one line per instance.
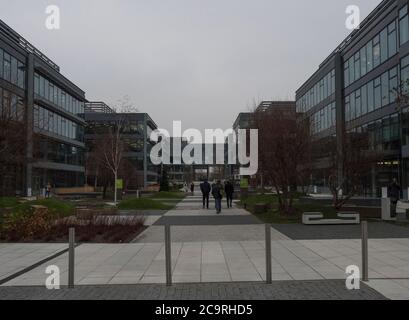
[244, 183]
[119, 184]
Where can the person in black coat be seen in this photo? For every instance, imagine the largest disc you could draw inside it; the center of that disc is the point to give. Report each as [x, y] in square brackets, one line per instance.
[229, 190]
[205, 188]
[394, 193]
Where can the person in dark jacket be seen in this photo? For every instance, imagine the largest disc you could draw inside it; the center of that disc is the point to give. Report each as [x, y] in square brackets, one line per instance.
[192, 188]
[217, 195]
[229, 190]
[394, 193]
[205, 188]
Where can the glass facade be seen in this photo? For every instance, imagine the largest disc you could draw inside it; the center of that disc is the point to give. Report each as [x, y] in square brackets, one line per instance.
[374, 95]
[53, 151]
[12, 69]
[11, 105]
[55, 95]
[323, 119]
[52, 122]
[318, 93]
[378, 50]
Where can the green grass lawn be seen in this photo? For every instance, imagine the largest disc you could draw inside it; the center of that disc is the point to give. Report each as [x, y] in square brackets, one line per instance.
[8, 202]
[273, 215]
[259, 198]
[56, 207]
[143, 204]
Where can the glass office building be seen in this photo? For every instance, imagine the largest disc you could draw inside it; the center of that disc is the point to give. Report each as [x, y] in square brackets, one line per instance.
[136, 132]
[354, 94]
[50, 109]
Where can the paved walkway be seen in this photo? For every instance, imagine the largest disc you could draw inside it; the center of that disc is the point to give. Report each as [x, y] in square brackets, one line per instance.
[16, 257]
[191, 223]
[208, 253]
[282, 290]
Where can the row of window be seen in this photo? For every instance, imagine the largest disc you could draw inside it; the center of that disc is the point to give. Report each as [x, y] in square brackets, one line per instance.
[375, 94]
[11, 106]
[322, 90]
[382, 47]
[60, 153]
[52, 122]
[54, 94]
[323, 119]
[12, 70]
[129, 127]
[382, 134]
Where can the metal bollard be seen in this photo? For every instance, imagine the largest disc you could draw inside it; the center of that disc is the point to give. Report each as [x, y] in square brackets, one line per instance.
[71, 256]
[168, 256]
[268, 254]
[365, 276]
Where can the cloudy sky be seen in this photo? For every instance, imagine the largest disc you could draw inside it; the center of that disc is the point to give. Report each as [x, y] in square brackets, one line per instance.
[198, 61]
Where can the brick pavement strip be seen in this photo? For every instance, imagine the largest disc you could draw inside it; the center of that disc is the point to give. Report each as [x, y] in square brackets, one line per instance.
[280, 290]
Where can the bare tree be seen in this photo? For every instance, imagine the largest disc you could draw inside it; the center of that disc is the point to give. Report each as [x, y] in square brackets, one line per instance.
[12, 144]
[284, 146]
[356, 162]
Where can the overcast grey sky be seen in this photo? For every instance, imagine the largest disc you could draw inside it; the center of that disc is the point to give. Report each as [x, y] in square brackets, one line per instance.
[199, 61]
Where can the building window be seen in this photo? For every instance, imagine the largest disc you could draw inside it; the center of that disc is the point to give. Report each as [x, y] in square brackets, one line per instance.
[371, 106]
[392, 41]
[369, 56]
[363, 61]
[7, 67]
[393, 84]
[377, 93]
[376, 52]
[403, 25]
[385, 89]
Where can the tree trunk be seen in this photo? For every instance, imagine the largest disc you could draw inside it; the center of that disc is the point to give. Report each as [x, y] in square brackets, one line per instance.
[115, 189]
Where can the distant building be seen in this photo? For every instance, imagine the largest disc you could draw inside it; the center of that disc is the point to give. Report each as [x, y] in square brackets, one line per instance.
[137, 130]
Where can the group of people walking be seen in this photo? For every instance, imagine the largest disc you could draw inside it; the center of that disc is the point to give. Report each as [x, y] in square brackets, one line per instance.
[218, 191]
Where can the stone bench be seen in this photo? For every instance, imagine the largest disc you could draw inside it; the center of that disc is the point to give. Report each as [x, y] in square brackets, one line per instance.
[317, 218]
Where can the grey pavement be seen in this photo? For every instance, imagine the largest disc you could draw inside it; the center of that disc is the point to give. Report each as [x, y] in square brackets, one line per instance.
[15, 257]
[281, 290]
[208, 220]
[192, 223]
[220, 253]
[376, 230]
[206, 233]
[233, 261]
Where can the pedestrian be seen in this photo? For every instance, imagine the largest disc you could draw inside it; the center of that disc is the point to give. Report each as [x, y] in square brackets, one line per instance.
[192, 188]
[48, 190]
[217, 195]
[205, 188]
[229, 190]
[394, 194]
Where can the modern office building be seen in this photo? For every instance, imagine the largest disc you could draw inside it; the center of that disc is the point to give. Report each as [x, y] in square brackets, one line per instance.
[354, 93]
[245, 120]
[137, 128]
[50, 109]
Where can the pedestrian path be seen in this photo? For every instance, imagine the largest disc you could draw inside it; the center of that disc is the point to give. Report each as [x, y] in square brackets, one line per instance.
[191, 223]
[206, 252]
